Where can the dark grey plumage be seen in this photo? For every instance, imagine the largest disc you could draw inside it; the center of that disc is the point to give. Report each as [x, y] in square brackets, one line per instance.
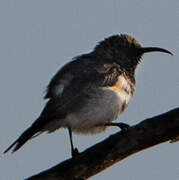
[84, 83]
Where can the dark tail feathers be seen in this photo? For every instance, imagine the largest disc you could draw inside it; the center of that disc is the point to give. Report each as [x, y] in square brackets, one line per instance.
[26, 135]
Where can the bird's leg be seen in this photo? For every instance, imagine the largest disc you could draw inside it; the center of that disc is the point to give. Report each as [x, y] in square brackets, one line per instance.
[121, 125]
[74, 151]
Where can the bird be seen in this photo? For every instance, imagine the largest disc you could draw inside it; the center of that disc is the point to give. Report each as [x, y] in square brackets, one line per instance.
[91, 91]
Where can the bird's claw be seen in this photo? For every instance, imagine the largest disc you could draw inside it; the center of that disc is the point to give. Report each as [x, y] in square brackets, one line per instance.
[123, 126]
[75, 152]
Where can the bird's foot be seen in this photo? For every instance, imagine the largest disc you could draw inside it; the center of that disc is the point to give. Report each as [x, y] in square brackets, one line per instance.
[122, 126]
[75, 152]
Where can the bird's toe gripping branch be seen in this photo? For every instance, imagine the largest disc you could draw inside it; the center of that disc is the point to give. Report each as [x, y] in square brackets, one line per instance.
[75, 152]
[122, 126]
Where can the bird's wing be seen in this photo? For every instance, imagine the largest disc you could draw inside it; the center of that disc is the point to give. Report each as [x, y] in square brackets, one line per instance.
[81, 72]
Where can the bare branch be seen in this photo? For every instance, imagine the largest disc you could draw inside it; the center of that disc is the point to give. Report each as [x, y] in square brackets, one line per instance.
[115, 148]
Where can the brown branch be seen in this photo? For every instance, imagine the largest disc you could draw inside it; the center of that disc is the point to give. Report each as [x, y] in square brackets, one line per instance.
[115, 148]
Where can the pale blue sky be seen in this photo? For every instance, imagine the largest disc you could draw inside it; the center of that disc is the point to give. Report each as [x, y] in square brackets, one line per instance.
[38, 36]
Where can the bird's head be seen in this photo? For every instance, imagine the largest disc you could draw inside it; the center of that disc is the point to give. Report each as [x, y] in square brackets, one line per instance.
[124, 50]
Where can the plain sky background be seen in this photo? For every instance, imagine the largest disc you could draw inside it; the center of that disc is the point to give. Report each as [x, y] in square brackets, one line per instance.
[38, 36]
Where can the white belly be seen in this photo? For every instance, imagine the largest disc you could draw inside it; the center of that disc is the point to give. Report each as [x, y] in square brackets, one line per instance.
[98, 110]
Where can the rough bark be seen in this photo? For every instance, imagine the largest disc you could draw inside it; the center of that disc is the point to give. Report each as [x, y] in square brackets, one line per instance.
[115, 148]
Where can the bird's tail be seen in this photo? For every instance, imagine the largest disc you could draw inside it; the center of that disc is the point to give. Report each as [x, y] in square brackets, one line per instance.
[26, 135]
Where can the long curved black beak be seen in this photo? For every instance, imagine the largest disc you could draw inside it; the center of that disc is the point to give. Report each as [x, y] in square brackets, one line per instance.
[154, 49]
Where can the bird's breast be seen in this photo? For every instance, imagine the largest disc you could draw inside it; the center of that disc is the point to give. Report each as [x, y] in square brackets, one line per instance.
[123, 89]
